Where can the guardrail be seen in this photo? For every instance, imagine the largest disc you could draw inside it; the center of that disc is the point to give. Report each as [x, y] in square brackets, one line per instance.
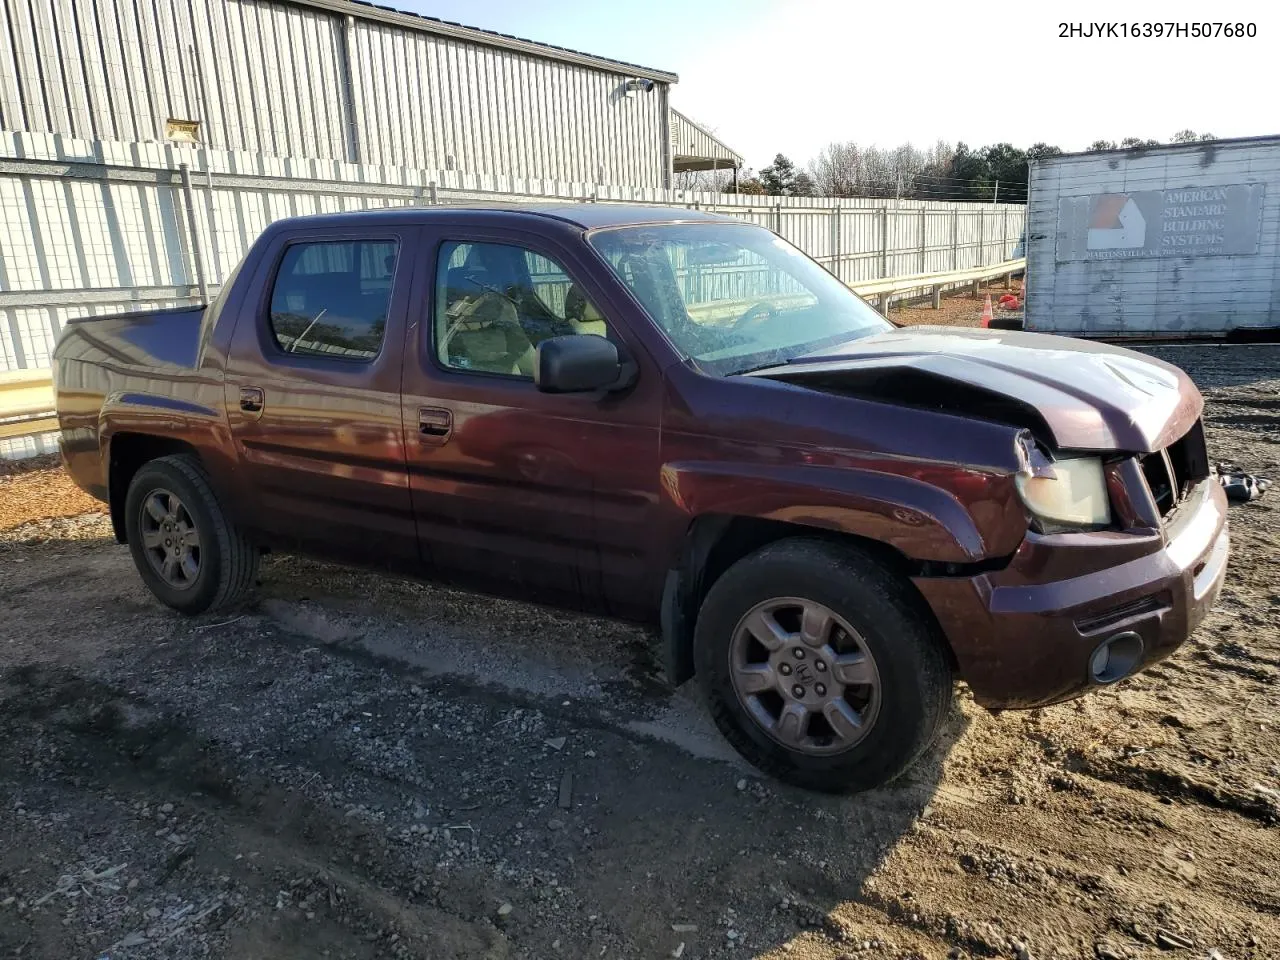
[889, 287]
[26, 403]
[26, 396]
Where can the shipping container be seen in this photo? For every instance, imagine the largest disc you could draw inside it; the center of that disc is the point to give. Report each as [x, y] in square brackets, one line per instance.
[1171, 241]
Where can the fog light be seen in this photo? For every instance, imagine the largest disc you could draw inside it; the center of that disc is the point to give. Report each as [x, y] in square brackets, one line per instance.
[1116, 657]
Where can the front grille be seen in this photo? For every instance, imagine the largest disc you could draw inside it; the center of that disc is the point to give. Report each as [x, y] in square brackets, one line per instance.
[1158, 473]
[1172, 472]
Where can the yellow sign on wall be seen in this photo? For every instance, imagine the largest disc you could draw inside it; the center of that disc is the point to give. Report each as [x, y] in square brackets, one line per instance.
[182, 131]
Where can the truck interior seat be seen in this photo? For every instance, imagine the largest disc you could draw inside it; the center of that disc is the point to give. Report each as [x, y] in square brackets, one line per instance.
[482, 330]
[582, 313]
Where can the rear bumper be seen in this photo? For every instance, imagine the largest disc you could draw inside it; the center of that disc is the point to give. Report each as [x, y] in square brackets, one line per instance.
[1023, 637]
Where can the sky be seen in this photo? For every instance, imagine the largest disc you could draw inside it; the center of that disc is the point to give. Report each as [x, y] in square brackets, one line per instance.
[769, 76]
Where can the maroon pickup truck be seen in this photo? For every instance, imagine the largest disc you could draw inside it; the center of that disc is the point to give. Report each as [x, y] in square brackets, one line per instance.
[679, 420]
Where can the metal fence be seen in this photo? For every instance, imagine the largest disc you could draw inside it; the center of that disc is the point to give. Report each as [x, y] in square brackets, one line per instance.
[91, 227]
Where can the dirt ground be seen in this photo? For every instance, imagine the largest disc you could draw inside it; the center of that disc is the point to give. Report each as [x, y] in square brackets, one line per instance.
[959, 307]
[364, 767]
[34, 489]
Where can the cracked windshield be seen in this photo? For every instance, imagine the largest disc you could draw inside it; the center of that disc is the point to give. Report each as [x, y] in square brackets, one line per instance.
[735, 297]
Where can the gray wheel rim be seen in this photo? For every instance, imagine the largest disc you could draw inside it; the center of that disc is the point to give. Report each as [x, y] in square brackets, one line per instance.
[170, 540]
[804, 675]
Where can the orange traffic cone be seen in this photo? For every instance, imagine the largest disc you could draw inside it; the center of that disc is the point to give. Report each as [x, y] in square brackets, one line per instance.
[987, 315]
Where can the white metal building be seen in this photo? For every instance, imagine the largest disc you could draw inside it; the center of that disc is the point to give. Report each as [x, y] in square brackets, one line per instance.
[1176, 240]
[336, 79]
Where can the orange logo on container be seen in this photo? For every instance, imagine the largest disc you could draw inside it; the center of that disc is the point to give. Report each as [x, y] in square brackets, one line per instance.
[1116, 223]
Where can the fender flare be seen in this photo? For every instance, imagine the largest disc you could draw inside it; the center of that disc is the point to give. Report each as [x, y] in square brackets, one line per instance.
[915, 519]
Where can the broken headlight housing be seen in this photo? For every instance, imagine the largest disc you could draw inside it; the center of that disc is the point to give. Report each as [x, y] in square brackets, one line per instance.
[1067, 494]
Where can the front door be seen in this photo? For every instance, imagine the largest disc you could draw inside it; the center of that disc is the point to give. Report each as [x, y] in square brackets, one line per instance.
[507, 481]
[313, 393]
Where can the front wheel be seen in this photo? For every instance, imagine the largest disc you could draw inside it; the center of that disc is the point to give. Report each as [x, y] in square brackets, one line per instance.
[820, 667]
[187, 551]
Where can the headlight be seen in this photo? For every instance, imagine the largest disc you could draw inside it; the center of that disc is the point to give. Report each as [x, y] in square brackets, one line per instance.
[1067, 493]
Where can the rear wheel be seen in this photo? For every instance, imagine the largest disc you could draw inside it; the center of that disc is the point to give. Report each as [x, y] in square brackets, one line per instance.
[820, 667]
[187, 551]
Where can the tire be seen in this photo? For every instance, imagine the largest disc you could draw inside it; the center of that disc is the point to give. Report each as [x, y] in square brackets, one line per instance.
[216, 574]
[901, 710]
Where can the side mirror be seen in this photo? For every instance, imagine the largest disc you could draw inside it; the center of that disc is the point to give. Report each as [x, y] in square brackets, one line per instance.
[576, 364]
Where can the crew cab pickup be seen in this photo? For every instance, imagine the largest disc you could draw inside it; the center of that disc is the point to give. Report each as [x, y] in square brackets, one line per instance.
[676, 419]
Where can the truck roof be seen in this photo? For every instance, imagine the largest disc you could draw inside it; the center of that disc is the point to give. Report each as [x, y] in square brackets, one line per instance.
[587, 216]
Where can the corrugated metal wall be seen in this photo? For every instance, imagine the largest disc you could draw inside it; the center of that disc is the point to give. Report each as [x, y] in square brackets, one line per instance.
[1140, 286]
[481, 109]
[288, 81]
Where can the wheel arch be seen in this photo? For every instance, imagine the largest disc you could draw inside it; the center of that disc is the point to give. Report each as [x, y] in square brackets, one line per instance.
[715, 542]
[126, 454]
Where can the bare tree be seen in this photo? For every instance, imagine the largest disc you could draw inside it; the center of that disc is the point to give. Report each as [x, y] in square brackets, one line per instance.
[847, 170]
[835, 170]
[703, 181]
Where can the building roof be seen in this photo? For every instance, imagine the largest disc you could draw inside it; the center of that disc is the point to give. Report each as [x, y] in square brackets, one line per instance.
[693, 147]
[491, 38]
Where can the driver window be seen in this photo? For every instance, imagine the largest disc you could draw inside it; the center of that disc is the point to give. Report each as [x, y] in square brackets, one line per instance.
[496, 302]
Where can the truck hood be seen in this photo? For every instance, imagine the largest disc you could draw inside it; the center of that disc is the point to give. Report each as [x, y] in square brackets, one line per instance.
[1083, 395]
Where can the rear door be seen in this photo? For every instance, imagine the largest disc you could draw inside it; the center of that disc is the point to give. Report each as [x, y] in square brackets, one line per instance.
[313, 393]
[509, 483]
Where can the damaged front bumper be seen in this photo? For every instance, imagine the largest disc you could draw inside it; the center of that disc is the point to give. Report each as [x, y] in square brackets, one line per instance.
[1029, 635]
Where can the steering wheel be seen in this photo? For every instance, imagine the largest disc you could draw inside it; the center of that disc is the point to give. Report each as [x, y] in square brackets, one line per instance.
[755, 315]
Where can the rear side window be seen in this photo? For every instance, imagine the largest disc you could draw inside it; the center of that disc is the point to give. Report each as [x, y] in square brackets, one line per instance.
[330, 299]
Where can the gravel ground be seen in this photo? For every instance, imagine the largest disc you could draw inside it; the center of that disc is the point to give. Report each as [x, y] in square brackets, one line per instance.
[959, 307]
[357, 766]
[35, 489]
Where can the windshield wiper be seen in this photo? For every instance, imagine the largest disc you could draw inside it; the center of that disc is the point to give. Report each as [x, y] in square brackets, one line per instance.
[759, 367]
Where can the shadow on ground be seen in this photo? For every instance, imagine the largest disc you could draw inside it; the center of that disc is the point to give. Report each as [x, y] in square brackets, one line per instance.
[337, 790]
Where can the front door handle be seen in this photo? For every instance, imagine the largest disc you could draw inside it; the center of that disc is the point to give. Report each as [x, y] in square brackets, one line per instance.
[434, 424]
[252, 400]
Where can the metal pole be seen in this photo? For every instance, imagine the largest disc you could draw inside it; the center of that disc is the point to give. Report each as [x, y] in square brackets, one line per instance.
[346, 91]
[777, 219]
[924, 236]
[211, 211]
[835, 241]
[995, 193]
[884, 241]
[955, 238]
[197, 252]
[982, 240]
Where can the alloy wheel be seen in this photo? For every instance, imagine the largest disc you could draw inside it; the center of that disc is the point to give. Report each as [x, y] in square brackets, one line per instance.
[170, 539]
[805, 675]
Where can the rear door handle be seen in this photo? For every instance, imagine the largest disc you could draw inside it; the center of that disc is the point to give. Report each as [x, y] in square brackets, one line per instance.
[252, 400]
[434, 424]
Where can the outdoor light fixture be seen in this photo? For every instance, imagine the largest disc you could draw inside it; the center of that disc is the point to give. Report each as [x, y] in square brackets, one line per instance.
[635, 84]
